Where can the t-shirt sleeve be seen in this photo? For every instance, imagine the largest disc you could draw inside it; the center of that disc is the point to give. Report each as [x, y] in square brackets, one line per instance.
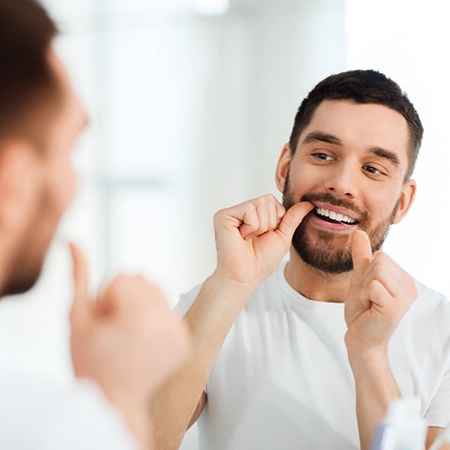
[90, 422]
[438, 333]
[36, 415]
[438, 414]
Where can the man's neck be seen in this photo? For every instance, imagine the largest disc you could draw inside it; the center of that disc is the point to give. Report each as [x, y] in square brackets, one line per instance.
[315, 284]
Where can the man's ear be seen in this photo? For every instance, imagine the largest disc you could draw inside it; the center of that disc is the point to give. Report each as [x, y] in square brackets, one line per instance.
[284, 162]
[406, 200]
[18, 180]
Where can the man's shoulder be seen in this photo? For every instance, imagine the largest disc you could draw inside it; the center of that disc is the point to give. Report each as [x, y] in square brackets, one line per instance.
[39, 412]
[430, 295]
[430, 307]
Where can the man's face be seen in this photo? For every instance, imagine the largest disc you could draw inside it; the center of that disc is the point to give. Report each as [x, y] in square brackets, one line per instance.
[350, 162]
[54, 188]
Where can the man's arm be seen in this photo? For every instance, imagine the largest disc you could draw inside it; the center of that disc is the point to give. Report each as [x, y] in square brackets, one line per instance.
[251, 240]
[128, 341]
[379, 296]
[433, 434]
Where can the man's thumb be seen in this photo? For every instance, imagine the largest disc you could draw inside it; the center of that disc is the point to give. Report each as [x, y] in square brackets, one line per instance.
[292, 219]
[361, 252]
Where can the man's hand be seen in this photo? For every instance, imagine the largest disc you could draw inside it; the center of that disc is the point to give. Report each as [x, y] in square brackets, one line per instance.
[380, 294]
[128, 341]
[253, 237]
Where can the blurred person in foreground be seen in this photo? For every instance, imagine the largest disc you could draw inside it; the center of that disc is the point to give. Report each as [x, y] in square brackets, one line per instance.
[123, 345]
[308, 353]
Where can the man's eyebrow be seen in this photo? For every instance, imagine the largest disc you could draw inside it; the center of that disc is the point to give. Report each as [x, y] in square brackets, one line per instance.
[322, 137]
[387, 154]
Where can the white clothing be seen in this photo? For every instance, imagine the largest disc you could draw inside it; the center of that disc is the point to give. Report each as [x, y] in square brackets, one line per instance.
[37, 415]
[282, 379]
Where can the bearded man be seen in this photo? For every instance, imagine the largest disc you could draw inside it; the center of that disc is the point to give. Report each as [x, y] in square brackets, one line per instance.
[123, 345]
[309, 353]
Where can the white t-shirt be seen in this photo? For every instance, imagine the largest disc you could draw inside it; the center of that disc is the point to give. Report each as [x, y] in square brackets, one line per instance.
[37, 415]
[282, 379]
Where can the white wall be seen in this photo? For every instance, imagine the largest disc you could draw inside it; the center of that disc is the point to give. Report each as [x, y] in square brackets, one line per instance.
[408, 40]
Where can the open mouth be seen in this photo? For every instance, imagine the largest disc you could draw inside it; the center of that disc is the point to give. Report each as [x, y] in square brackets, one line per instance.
[333, 217]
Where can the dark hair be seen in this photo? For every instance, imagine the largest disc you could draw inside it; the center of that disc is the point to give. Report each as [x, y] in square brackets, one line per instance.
[29, 89]
[361, 86]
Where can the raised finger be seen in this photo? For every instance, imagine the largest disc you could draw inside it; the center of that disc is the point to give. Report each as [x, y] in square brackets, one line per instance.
[361, 255]
[81, 299]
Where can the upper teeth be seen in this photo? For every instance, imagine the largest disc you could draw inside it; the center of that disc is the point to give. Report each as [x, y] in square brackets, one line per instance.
[338, 217]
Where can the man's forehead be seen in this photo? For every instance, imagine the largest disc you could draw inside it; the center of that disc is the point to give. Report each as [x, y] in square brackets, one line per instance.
[345, 121]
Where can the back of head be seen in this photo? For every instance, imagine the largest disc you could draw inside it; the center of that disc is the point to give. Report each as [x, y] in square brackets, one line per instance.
[29, 89]
[361, 86]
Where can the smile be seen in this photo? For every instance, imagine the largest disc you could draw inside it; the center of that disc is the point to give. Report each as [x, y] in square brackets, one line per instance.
[332, 216]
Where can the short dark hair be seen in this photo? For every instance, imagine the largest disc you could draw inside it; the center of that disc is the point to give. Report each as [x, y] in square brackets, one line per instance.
[362, 86]
[29, 88]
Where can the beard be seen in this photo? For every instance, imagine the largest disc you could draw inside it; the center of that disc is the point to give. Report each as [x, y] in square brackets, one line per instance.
[26, 263]
[28, 255]
[328, 252]
[23, 281]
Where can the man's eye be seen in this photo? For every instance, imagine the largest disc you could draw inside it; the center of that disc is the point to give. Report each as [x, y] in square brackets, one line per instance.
[323, 156]
[372, 170]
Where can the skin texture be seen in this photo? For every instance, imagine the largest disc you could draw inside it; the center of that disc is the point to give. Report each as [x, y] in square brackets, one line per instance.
[252, 239]
[49, 187]
[127, 340]
[350, 159]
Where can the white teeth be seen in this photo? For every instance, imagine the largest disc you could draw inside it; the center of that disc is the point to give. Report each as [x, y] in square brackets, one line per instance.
[338, 217]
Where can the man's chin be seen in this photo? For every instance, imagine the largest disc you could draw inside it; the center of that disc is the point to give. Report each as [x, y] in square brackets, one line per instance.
[329, 266]
[325, 257]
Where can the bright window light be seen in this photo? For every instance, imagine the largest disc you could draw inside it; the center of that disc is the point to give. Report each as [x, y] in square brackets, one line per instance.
[212, 7]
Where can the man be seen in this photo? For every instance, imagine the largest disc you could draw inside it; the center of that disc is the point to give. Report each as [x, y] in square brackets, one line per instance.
[126, 342]
[311, 356]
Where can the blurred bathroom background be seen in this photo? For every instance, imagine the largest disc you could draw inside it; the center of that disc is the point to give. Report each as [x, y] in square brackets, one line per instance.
[190, 103]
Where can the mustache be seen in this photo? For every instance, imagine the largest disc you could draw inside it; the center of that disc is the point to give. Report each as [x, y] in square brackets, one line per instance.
[326, 197]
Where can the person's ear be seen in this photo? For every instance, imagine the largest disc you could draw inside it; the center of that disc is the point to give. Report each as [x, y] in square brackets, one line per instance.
[18, 180]
[406, 200]
[284, 162]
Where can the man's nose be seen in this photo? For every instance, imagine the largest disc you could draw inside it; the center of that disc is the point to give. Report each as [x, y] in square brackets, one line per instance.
[343, 180]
